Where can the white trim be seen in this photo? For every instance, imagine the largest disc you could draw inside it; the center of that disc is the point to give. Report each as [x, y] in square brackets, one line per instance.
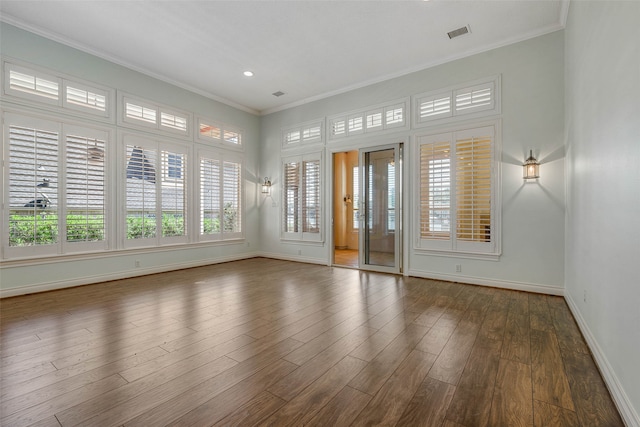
[118, 61]
[60, 105]
[156, 126]
[455, 115]
[630, 417]
[301, 142]
[98, 278]
[496, 283]
[502, 43]
[294, 258]
[361, 113]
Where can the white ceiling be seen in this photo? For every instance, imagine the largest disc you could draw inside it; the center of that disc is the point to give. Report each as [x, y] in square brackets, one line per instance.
[306, 49]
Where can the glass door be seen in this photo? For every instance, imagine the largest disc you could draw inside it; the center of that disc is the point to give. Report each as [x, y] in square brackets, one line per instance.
[380, 210]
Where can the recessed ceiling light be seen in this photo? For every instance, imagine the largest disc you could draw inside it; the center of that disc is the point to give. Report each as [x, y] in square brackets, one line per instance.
[248, 73]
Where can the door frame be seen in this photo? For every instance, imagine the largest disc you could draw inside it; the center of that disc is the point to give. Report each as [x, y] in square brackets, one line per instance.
[373, 145]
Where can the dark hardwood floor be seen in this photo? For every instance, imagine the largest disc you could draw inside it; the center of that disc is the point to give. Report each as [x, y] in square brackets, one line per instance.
[276, 343]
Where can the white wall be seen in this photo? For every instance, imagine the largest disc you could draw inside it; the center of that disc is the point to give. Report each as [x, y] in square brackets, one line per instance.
[533, 117]
[41, 274]
[603, 189]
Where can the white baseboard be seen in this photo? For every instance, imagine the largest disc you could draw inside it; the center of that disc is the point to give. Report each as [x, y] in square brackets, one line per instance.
[88, 280]
[496, 283]
[294, 258]
[620, 398]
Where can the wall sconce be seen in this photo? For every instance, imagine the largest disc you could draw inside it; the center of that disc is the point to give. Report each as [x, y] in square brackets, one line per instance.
[531, 167]
[266, 186]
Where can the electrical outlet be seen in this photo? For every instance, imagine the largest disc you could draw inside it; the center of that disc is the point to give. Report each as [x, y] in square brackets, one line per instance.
[299, 251]
[458, 268]
[137, 263]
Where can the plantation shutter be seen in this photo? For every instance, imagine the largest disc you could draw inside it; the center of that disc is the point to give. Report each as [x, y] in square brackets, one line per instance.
[435, 188]
[474, 158]
[33, 183]
[457, 185]
[31, 84]
[143, 113]
[173, 193]
[85, 191]
[311, 197]
[434, 107]
[291, 196]
[231, 197]
[210, 206]
[141, 191]
[85, 98]
[475, 98]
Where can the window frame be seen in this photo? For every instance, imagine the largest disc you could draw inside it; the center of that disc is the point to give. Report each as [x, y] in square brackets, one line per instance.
[454, 246]
[224, 128]
[315, 138]
[302, 235]
[344, 120]
[60, 103]
[64, 129]
[156, 126]
[221, 157]
[157, 146]
[453, 114]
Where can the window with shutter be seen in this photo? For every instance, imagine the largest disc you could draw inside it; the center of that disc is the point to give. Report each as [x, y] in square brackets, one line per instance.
[376, 118]
[85, 189]
[476, 99]
[457, 191]
[231, 197]
[141, 191]
[135, 111]
[173, 121]
[210, 131]
[155, 192]
[85, 98]
[304, 133]
[173, 196]
[210, 206]
[220, 179]
[33, 183]
[301, 211]
[291, 193]
[56, 187]
[151, 116]
[57, 90]
[373, 120]
[394, 116]
[32, 84]
[311, 196]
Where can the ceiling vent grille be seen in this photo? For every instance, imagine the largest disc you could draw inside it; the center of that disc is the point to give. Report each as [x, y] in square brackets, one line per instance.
[459, 32]
[278, 93]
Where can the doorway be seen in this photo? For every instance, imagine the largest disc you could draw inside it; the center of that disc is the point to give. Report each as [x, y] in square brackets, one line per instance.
[367, 201]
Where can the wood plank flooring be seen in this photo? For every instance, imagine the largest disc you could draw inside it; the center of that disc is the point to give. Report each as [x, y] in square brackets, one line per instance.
[275, 343]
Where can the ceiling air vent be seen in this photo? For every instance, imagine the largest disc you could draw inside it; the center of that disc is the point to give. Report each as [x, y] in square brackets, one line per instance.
[459, 32]
[278, 93]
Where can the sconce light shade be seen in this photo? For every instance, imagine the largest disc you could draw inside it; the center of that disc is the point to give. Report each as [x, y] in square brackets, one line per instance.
[531, 167]
[266, 186]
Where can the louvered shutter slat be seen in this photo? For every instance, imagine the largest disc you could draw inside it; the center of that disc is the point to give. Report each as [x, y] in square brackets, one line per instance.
[435, 187]
[473, 194]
